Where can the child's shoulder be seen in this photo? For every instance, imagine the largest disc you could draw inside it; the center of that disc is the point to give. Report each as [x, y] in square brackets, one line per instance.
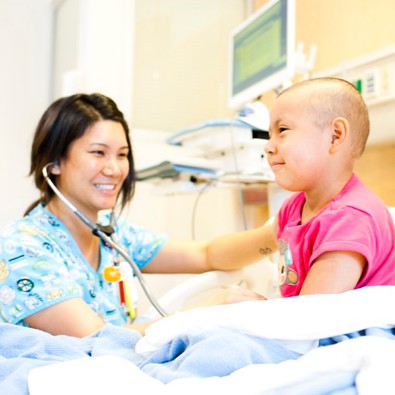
[358, 196]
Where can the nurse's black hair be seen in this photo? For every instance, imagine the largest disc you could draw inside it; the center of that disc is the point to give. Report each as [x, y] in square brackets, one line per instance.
[65, 121]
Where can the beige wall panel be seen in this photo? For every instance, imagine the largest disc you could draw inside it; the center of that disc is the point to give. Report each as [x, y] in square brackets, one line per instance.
[343, 29]
[376, 168]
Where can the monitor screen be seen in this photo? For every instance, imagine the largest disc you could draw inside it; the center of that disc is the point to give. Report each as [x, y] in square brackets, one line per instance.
[262, 52]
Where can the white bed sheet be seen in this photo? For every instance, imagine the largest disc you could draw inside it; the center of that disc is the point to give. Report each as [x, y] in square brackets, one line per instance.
[299, 321]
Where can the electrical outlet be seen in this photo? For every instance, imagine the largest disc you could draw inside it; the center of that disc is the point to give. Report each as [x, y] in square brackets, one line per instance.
[387, 83]
[370, 84]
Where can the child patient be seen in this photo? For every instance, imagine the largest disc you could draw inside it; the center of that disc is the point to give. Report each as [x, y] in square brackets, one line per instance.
[333, 233]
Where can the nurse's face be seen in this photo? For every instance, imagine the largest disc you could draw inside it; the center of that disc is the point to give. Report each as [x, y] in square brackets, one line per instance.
[96, 166]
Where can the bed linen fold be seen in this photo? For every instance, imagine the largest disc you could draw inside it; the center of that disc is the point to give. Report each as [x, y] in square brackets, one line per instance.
[213, 352]
[298, 322]
[174, 357]
[23, 349]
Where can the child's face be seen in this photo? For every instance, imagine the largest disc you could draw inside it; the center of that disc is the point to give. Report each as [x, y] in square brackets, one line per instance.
[298, 149]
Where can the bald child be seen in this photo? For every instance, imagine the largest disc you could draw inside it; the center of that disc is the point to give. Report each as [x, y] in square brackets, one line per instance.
[333, 233]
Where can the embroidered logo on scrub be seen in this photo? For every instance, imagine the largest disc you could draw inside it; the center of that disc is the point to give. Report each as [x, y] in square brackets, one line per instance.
[286, 275]
[24, 285]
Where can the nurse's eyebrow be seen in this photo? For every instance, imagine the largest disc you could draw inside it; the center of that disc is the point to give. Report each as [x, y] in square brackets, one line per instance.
[106, 145]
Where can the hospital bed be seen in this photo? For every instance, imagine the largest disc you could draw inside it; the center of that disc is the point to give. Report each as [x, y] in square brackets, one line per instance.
[253, 347]
[210, 287]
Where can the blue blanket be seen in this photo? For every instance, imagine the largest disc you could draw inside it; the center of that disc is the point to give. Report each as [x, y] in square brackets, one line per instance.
[23, 349]
[214, 352]
[217, 352]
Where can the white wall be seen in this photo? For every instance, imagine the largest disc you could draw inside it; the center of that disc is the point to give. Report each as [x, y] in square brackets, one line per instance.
[30, 30]
[93, 50]
[25, 71]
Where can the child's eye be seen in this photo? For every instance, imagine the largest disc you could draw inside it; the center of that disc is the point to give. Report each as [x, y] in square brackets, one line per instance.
[282, 129]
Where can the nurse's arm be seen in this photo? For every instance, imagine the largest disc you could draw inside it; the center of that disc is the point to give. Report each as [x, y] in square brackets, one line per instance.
[71, 317]
[228, 252]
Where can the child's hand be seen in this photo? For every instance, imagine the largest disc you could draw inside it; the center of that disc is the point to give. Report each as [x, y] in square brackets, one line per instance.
[226, 295]
[140, 327]
[238, 294]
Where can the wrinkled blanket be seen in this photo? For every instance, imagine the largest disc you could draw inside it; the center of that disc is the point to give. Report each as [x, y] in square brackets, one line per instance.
[318, 344]
[203, 354]
[23, 349]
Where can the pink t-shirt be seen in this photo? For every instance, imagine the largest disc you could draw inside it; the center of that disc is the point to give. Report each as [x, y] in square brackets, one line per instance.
[355, 220]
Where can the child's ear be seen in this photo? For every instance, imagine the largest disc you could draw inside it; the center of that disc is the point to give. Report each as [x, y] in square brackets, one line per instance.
[340, 129]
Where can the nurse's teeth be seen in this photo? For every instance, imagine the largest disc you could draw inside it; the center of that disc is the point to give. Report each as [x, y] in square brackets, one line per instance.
[106, 187]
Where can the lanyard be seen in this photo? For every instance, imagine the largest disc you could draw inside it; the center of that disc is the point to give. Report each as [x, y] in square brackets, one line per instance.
[121, 274]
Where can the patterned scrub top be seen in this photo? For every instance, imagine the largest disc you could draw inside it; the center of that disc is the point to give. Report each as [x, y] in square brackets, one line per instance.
[41, 265]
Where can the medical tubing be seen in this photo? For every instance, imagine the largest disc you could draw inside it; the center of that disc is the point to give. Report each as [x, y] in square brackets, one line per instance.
[97, 232]
[237, 172]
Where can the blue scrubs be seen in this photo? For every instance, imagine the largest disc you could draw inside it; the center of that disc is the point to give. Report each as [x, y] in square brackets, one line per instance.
[41, 265]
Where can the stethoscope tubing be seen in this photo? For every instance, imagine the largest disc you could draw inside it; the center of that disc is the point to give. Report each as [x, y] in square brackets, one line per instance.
[107, 240]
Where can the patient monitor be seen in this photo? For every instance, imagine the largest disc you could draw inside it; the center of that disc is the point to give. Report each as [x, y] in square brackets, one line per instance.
[262, 52]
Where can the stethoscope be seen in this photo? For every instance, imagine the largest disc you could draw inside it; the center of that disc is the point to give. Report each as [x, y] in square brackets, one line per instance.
[105, 232]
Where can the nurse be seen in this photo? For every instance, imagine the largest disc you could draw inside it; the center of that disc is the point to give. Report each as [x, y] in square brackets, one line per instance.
[55, 275]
